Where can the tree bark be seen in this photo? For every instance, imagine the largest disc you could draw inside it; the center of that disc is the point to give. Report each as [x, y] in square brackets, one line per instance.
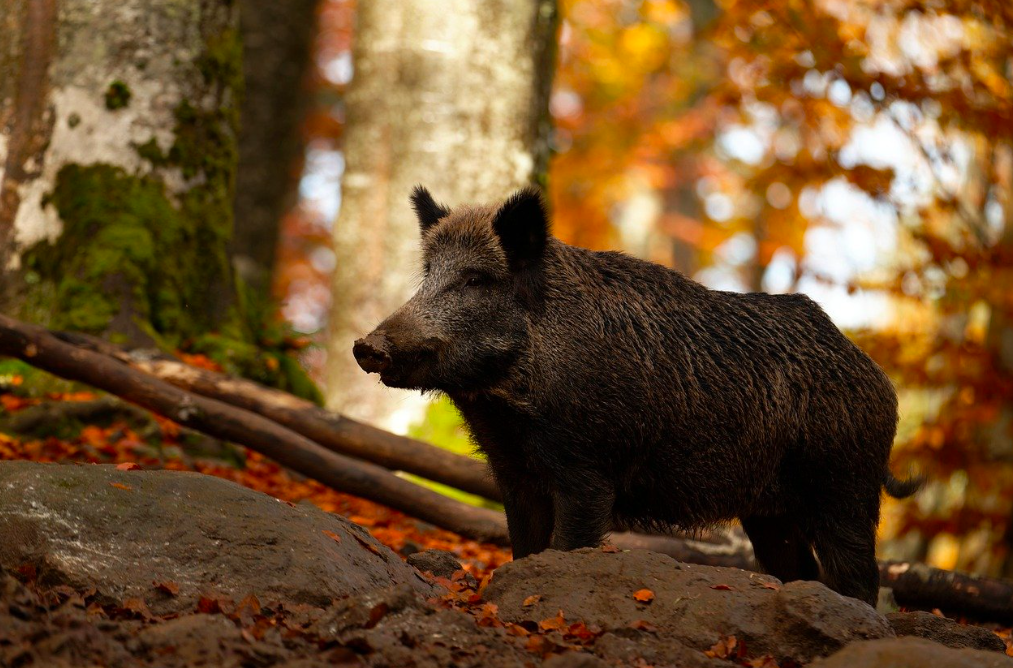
[277, 43]
[453, 95]
[117, 152]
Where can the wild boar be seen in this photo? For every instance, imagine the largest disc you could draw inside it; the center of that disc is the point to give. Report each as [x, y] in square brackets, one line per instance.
[606, 391]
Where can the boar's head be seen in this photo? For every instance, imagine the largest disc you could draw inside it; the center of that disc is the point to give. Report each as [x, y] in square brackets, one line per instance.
[468, 323]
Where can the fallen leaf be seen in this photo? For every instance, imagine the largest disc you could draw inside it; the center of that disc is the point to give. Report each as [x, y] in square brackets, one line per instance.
[721, 587]
[366, 544]
[170, 588]
[333, 536]
[138, 607]
[128, 466]
[644, 595]
[553, 623]
[248, 607]
[643, 625]
[609, 549]
[378, 612]
[531, 600]
[723, 648]
[119, 485]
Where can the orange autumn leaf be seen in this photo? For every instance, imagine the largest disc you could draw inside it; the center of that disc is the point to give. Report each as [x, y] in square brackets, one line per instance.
[553, 623]
[333, 536]
[128, 466]
[643, 625]
[723, 648]
[643, 595]
[531, 600]
[170, 588]
[119, 485]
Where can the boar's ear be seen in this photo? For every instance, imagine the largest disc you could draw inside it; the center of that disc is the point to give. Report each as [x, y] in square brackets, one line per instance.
[426, 208]
[523, 229]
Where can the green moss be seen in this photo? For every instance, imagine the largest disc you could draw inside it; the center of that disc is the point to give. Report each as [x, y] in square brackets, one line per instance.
[135, 262]
[117, 95]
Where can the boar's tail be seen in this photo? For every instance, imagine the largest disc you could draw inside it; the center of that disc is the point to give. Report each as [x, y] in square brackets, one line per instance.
[901, 489]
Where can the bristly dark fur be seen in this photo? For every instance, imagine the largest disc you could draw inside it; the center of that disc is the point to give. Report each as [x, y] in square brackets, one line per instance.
[426, 208]
[619, 392]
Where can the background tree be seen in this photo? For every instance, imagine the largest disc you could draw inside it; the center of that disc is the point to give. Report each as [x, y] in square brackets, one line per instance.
[119, 166]
[277, 43]
[452, 95]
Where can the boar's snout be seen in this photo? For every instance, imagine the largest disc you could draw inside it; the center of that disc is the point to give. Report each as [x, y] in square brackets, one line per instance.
[372, 353]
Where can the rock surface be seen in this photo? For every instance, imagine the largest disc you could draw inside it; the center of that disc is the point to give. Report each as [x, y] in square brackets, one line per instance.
[97, 543]
[910, 653]
[437, 562]
[944, 631]
[125, 532]
[695, 606]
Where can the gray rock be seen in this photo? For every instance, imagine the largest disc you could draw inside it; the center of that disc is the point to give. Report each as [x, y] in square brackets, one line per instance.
[910, 653]
[437, 562]
[694, 605]
[629, 647]
[123, 531]
[944, 631]
[574, 660]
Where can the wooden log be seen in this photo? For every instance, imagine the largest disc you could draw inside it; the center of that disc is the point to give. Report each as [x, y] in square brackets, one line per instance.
[917, 585]
[38, 347]
[334, 432]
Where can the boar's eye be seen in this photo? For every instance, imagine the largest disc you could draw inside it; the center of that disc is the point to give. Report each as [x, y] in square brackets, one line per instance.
[476, 279]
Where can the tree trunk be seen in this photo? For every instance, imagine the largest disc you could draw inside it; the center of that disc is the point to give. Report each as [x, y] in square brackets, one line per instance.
[117, 154]
[277, 43]
[453, 95]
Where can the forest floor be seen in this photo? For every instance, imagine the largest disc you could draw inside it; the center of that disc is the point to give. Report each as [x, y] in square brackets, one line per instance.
[119, 442]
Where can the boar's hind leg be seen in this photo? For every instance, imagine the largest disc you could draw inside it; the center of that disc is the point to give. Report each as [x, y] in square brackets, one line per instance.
[780, 548]
[529, 517]
[583, 505]
[846, 547]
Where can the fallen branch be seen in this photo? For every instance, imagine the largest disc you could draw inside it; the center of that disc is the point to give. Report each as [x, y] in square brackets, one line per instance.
[334, 432]
[917, 585]
[38, 347]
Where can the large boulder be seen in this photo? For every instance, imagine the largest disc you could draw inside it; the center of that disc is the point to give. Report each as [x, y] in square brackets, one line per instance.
[145, 534]
[911, 652]
[945, 631]
[695, 606]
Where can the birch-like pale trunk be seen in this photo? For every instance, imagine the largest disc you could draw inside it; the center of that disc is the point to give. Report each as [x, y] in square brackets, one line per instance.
[117, 164]
[452, 95]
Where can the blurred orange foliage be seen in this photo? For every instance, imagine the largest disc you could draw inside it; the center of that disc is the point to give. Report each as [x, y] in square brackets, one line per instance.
[724, 137]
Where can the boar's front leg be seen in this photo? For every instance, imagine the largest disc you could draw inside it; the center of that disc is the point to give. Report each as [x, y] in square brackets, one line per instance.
[529, 516]
[583, 503]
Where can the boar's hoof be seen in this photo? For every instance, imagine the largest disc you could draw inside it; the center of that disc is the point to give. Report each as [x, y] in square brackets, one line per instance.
[371, 353]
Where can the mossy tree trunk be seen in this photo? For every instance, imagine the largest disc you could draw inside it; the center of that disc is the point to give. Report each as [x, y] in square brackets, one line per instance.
[453, 95]
[118, 123]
